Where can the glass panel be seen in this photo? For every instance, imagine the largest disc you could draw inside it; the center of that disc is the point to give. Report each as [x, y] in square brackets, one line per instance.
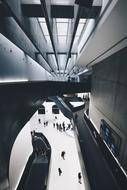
[62, 28]
[48, 39]
[76, 40]
[63, 20]
[82, 20]
[54, 59]
[62, 60]
[62, 40]
[44, 28]
[79, 29]
[41, 19]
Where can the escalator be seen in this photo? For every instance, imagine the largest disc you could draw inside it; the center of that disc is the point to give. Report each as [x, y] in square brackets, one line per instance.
[35, 175]
[62, 106]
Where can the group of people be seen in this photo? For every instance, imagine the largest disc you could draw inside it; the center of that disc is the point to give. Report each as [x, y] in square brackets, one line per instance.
[45, 122]
[59, 126]
[60, 171]
[62, 127]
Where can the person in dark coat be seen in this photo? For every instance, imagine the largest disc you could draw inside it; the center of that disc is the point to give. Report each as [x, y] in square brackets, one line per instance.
[76, 117]
[63, 155]
[39, 121]
[59, 171]
[79, 177]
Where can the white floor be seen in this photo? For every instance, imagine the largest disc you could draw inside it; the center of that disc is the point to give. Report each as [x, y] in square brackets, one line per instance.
[59, 141]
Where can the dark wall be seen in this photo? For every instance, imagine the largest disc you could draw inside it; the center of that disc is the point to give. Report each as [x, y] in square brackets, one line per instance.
[108, 97]
[18, 102]
[15, 111]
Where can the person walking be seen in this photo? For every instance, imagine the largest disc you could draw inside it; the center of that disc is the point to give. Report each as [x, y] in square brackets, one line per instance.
[59, 171]
[39, 121]
[63, 155]
[57, 126]
[76, 117]
[79, 177]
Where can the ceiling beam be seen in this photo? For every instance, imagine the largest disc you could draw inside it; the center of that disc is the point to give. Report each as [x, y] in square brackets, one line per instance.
[17, 22]
[80, 12]
[48, 22]
[73, 35]
[57, 11]
[61, 11]
[60, 53]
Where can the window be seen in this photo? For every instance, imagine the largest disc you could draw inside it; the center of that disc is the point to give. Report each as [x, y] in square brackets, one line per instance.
[41, 110]
[55, 109]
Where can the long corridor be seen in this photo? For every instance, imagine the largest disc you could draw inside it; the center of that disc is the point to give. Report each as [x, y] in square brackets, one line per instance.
[59, 141]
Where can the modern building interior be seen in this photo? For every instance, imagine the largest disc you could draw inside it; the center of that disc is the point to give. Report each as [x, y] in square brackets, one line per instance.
[63, 82]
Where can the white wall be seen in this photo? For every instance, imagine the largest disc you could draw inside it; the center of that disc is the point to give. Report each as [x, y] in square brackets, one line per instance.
[20, 153]
[16, 66]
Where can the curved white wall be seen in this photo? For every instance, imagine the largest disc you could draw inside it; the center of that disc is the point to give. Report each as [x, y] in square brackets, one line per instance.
[21, 151]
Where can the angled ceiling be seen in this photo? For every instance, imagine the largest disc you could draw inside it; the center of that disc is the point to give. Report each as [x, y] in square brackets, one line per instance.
[56, 29]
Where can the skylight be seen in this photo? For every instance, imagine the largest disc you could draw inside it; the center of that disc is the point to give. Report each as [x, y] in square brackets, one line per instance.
[62, 30]
[62, 60]
[82, 20]
[44, 29]
[82, 23]
[62, 40]
[62, 20]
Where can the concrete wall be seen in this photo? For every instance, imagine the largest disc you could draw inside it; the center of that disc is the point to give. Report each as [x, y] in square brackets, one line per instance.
[108, 97]
[16, 66]
[108, 37]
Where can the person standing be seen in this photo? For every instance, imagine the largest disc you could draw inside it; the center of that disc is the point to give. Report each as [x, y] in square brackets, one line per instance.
[63, 155]
[59, 171]
[79, 177]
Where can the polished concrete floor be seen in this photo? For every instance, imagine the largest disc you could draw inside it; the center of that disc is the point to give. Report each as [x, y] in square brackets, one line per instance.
[59, 141]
